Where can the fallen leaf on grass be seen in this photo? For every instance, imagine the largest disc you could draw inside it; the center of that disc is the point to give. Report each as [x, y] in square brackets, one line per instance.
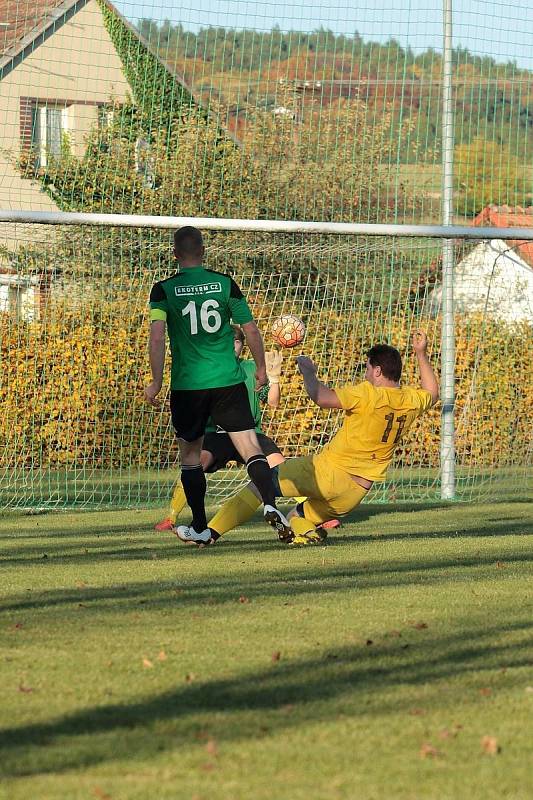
[81, 584]
[17, 626]
[500, 565]
[276, 655]
[529, 689]
[147, 663]
[428, 751]
[419, 626]
[190, 677]
[212, 748]
[485, 691]
[243, 599]
[446, 733]
[100, 794]
[25, 689]
[489, 745]
[162, 656]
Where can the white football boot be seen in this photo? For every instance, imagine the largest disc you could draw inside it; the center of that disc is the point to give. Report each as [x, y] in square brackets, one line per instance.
[188, 535]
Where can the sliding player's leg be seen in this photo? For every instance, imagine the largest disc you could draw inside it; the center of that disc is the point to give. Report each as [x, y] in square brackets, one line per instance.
[335, 495]
[242, 506]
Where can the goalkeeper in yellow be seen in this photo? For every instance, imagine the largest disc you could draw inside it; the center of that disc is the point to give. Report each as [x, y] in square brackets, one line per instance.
[378, 413]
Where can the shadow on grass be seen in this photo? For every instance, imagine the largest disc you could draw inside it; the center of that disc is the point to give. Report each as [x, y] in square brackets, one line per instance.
[354, 680]
[209, 591]
[21, 547]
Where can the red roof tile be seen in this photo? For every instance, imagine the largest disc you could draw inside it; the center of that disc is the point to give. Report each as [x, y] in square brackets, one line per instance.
[509, 217]
[21, 18]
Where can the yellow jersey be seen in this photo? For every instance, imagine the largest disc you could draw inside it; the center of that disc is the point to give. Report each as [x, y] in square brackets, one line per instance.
[375, 421]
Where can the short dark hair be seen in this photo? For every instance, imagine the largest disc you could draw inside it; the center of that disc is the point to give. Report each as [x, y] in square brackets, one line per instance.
[388, 358]
[188, 241]
[238, 334]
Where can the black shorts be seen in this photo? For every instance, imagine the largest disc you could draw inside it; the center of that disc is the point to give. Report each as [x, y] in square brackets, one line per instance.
[222, 449]
[228, 406]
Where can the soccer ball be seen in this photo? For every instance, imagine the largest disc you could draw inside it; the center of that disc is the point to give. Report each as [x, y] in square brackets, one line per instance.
[288, 330]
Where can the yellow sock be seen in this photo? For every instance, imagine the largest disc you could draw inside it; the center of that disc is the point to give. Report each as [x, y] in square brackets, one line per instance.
[178, 502]
[300, 526]
[235, 511]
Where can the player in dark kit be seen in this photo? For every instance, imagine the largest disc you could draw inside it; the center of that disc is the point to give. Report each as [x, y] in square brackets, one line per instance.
[197, 305]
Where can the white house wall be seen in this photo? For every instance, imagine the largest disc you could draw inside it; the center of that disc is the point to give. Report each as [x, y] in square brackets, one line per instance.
[493, 279]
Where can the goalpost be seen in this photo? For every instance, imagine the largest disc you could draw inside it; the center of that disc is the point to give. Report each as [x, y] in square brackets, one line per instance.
[75, 431]
[245, 131]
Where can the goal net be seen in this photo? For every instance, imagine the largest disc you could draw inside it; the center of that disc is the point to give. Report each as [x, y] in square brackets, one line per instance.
[74, 429]
[337, 114]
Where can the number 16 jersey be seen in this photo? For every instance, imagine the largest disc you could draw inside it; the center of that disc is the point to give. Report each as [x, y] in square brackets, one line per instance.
[375, 420]
[198, 306]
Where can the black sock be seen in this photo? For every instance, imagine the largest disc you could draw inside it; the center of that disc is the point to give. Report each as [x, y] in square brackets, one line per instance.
[260, 475]
[194, 486]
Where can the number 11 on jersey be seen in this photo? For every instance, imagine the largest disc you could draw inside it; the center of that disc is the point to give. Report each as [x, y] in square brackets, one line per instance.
[390, 422]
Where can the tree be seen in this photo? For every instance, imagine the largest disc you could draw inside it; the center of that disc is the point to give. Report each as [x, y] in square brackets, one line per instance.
[487, 172]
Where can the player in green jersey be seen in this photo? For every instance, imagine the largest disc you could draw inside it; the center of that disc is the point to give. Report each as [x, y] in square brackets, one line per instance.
[217, 448]
[197, 305]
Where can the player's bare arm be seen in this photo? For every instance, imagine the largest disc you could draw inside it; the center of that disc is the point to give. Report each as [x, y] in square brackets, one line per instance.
[428, 379]
[156, 348]
[254, 340]
[322, 395]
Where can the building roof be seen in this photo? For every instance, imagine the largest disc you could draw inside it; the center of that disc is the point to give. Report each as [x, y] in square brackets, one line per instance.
[509, 217]
[23, 22]
[490, 216]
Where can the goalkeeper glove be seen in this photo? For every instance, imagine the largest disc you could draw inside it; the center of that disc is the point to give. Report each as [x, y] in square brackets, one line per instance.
[273, 360]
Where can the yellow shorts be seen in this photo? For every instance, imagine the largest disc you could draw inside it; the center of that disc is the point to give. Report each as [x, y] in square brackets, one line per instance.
[330, 492]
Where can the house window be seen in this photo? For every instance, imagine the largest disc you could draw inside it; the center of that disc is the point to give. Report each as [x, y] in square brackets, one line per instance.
[105, 117]
[49, 124]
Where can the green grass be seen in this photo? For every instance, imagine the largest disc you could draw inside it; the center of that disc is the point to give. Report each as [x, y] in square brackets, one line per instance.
[133, 667]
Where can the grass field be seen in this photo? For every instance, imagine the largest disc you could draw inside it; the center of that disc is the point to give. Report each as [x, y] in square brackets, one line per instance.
[397, 662]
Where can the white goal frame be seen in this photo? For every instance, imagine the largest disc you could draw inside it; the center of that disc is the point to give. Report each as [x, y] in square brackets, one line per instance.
[448, 233]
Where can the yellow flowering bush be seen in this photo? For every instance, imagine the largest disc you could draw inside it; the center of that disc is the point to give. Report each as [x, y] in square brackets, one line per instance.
[71, 391]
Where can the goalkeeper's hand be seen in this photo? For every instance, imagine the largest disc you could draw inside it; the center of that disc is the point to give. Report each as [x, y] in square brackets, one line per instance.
[274, 360]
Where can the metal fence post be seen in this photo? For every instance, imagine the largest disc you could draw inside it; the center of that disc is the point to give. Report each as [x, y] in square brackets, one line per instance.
[447, 443]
